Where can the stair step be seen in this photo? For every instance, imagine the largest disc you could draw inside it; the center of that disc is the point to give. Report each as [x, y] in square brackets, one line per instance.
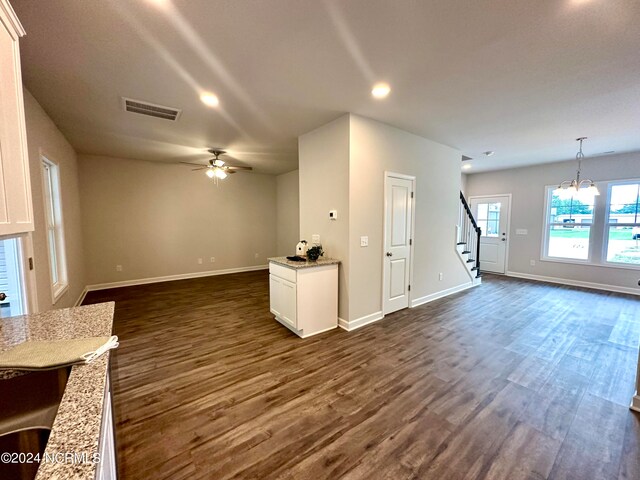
[474, 269]
[471, 260]
[466, 251]
[462, 243]
[478, 275]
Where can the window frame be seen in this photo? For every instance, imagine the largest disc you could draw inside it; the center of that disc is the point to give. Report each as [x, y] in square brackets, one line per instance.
[54, 226]
[546, 225]
[608, 224]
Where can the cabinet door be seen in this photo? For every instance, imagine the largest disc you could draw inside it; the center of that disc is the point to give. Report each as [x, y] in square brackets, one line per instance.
[16, 215]
[288, 302]
[282, 299]
[275, 293]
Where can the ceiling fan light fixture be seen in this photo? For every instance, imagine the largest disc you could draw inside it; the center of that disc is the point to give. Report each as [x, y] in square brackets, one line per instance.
[210, 172]
[220, 173]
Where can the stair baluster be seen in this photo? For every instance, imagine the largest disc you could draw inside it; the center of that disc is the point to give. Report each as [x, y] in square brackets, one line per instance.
[470, 233]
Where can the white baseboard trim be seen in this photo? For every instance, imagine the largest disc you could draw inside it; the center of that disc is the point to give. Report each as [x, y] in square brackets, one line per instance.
[169, 278]
[318, 332]
[349, 326]
[575, 283]
[443, 293]
[635, 403]
[81, 297]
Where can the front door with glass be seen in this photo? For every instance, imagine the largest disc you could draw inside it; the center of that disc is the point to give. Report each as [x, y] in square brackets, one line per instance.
[492, 216]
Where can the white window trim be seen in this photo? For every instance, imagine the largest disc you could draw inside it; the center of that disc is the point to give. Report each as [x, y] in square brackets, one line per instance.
[545, 235]
[62, 285]
[605, 239]
[605, 235]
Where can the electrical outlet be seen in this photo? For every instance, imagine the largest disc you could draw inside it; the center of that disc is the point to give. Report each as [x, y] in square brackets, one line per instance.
[532, 263]
[199, 261]
[118, 268]
[256, 256]
[440, 276]
[364, 241]
[213, 259]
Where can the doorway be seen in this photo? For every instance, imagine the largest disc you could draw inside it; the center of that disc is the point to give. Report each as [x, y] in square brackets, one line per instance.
[13, 291]
[399, 214]
[492, 214]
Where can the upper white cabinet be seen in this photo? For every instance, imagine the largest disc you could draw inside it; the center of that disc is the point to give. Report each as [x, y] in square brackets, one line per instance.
[16, 211]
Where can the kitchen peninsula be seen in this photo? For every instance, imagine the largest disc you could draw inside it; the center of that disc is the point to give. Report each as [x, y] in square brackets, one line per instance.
[304, 295]
[83, 422]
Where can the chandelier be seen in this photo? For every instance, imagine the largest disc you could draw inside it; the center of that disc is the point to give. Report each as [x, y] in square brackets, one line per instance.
[569, 188]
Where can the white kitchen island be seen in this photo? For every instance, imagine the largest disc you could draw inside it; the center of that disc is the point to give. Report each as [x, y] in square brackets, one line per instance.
[304, 295]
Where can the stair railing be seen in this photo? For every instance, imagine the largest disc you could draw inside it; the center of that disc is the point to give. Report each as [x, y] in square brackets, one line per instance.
[470, 234]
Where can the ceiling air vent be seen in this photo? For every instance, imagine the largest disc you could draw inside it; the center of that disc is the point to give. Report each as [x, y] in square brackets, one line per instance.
[150, 109]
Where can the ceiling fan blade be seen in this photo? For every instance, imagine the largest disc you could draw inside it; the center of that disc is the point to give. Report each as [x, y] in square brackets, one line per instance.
[201, 168]
[230, 171]
[194, 164]
[236, 167]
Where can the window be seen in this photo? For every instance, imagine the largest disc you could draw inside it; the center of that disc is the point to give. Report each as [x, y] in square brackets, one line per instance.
[622, 229]
[568, 227]
[55, 233]
[489, 218]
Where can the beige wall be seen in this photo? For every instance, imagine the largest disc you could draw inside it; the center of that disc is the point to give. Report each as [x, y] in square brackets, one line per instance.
[43, 136]
[288, 213]
[342, 167]
[156, 219]
[528, 186]
[376, 148]
[323, 162]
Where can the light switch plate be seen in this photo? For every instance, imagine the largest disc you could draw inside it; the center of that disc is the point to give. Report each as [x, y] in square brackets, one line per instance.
[521, 231]
[315, 238]
[364, 241]
[333, 214]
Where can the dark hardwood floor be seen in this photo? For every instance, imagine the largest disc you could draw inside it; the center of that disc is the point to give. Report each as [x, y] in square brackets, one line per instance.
[510, 380]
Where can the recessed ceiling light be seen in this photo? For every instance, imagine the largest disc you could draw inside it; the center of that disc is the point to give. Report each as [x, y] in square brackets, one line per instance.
[380, 90]
[489, 153]
[158, 3]
[209, 99]
[466, 166]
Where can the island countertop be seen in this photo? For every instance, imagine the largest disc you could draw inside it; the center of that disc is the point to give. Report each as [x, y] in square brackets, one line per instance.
[77, 424]
[321, 262]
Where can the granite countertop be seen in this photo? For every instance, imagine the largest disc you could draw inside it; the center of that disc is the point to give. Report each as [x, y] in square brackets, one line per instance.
[321, 262]
[76, 428]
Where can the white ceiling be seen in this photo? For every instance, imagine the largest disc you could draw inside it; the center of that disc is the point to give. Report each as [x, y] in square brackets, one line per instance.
[520, 77]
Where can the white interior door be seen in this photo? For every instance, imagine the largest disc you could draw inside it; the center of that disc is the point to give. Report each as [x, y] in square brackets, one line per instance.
[492, 216]
[397, 241]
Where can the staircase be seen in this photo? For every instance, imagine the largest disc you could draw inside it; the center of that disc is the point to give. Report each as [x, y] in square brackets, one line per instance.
[468, 241]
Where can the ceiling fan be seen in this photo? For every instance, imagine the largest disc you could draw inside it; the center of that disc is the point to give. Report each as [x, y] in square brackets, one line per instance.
[217, 168]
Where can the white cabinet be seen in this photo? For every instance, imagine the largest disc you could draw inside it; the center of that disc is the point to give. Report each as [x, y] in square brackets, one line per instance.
[16, 212]
[283, 300]
[305, 300]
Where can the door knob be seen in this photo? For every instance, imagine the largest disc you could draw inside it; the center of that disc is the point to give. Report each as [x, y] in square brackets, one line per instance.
[3, 296]
[389, 254]
[504, 239]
